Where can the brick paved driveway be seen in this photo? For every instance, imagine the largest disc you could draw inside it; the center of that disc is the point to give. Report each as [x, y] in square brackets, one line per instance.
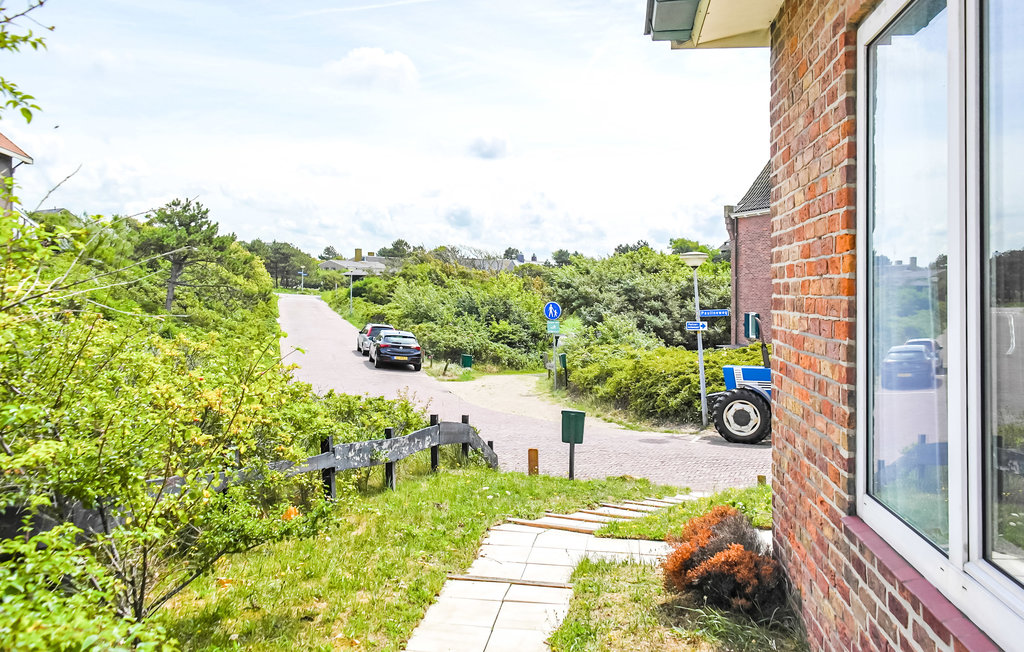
[701, 461]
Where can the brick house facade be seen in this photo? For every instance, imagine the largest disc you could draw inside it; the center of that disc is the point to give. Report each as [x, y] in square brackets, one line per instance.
[750, 238]
[867, 573]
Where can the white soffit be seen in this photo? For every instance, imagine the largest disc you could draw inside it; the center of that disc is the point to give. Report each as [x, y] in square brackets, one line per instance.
[732, 24]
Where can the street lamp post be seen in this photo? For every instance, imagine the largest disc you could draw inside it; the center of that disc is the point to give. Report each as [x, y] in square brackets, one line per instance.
[694, 260]
[350, 275]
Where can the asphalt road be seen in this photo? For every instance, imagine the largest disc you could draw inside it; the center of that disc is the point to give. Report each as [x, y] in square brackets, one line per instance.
[329, 360]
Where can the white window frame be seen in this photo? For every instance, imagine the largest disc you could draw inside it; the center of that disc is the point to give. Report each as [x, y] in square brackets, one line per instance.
[981, 591]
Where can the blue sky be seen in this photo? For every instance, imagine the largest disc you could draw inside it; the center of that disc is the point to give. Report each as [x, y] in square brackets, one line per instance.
[532, 124]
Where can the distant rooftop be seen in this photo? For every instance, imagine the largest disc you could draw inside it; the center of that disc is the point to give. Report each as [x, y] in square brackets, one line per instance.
[759, 197]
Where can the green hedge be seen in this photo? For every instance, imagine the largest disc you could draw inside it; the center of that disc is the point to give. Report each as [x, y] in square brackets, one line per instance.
[662, 384]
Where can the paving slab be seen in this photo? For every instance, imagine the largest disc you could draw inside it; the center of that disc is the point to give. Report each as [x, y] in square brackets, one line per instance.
[471, 590]
[517, 640]
[448, 638]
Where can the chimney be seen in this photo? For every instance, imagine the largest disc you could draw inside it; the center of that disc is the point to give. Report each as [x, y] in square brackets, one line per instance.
[913, 262]
[521, 258]
[359, 255]
[370, 254]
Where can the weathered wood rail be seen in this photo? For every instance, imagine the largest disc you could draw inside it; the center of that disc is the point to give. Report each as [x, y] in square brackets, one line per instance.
[391, 449]
[333, 458]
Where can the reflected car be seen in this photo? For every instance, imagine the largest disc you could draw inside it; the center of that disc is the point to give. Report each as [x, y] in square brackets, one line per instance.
[933, 349]
[369, 332]
[908, 366]
[396, 347]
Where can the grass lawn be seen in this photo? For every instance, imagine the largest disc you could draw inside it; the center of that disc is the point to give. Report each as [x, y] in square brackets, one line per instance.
[755, 502]
[367, 580]
[625, 608]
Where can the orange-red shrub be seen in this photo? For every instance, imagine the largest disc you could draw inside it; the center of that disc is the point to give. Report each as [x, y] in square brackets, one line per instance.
[719, 556]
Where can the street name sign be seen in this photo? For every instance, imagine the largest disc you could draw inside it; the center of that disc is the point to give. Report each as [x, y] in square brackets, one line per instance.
[717, 312]
[696, 325]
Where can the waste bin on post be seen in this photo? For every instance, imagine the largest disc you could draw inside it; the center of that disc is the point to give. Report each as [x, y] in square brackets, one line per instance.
[572, 426]
[572, 434]
[467, 361]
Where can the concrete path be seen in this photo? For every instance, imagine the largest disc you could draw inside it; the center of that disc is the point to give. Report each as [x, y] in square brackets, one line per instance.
[517, 591]
[508, 414]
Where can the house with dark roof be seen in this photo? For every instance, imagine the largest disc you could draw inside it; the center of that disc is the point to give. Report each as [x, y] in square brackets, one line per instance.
[749, 224]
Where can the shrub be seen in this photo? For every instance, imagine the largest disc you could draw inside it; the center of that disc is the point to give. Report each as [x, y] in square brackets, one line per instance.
[661, 383]
[719, 556]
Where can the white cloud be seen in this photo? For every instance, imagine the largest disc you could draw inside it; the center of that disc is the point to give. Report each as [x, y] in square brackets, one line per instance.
[375, 69]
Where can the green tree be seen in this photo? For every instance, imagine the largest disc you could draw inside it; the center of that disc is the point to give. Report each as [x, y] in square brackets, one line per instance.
[329, 253]
[398, 249]
[182, 234]
[562, 257]
[626, 248]
[511, 253]
[12, 39]
[682, 245]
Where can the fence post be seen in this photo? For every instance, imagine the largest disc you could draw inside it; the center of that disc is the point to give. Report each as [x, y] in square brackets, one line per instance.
[389, 467]
[330, 487]
[434, 450]
[465, 447]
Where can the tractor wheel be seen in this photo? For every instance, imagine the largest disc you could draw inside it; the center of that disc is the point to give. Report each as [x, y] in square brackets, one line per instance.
[742, 416]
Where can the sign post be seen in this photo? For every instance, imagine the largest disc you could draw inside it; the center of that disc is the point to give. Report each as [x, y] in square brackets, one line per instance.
[553, 311]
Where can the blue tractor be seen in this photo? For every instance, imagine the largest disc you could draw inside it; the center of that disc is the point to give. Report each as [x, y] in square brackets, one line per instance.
[743, 412]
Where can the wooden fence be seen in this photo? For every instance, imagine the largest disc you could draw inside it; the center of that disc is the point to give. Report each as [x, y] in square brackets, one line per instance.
[343, 457]
[391, 449]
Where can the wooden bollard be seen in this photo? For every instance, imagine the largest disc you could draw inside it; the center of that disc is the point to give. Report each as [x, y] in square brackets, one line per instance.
[330, 487]
[389, 467]
[762, 479]
[465, 447]
[533, 463]
[435, 458]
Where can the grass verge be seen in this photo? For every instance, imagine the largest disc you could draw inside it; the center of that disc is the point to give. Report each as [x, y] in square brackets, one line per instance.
[625, 607]
[366, 581]
[755, 502]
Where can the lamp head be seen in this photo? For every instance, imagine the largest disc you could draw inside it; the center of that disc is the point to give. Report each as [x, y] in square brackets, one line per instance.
[694, 258]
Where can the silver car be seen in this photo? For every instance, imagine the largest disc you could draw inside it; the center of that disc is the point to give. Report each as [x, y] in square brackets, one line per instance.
[369, 332]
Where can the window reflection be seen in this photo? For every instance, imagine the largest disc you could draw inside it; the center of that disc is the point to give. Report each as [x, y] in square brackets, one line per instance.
[1003, 206]
[907, 222]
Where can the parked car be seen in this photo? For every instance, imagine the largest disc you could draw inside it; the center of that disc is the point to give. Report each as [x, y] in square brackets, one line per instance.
[932, 347]
[908, 367]
[396, 347]
[368, 333]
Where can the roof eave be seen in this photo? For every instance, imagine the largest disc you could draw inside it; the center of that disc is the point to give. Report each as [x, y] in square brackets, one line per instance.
[20, 156]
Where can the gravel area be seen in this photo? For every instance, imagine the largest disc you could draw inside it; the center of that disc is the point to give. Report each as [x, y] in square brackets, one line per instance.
[507, 410]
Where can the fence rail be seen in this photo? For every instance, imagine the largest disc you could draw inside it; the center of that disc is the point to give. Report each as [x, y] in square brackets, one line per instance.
[342, 457]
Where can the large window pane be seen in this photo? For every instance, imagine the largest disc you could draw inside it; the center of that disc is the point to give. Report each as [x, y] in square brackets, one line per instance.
[908, 187]
[1003, 210]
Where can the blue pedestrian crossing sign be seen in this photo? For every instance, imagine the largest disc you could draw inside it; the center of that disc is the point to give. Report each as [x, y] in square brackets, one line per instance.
[552, 310]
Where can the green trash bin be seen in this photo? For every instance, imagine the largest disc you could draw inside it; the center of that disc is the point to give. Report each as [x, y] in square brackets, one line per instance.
[561, 360]
[467, 361]
[572, 426]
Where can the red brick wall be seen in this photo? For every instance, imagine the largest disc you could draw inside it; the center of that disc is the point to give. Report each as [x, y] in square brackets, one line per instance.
[854, 591]
[752, 266]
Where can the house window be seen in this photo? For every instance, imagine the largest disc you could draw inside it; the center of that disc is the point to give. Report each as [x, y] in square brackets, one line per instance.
[1002, 199]
[908, 235]
[940, 384]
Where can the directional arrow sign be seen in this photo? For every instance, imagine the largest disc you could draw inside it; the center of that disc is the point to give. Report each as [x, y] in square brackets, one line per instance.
[717, 312]
[696, 325]
[552, 310]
